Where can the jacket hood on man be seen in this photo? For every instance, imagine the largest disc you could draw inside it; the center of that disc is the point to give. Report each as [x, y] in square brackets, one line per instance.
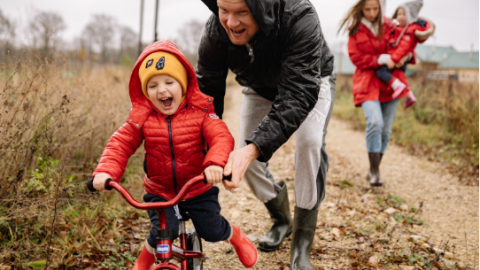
[143, 106]
[265, 12]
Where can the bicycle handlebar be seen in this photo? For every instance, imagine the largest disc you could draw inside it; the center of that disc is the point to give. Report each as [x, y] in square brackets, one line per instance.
[110, 184]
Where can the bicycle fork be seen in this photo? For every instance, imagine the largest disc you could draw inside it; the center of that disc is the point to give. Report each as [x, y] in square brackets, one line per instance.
[165, 250]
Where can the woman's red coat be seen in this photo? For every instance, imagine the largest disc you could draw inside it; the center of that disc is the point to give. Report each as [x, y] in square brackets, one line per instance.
[364, 48]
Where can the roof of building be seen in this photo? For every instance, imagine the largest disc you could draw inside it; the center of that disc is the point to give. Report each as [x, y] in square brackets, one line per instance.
[447, 57]
[460, 60]
[435, 54]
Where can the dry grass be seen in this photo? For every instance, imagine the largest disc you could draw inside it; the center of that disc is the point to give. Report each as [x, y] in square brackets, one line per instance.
[53, 126]
[441, 126]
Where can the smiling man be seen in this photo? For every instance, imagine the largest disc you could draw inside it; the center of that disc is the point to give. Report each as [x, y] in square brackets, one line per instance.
[278, 53]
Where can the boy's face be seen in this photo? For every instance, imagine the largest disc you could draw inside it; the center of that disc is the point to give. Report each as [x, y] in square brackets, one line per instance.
[401, 17]
[238, 21]
[165, 93]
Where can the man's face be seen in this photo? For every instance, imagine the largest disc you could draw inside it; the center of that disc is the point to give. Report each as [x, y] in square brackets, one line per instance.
[238, 21]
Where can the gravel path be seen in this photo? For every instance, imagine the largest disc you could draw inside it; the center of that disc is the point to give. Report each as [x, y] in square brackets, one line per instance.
[357, 225]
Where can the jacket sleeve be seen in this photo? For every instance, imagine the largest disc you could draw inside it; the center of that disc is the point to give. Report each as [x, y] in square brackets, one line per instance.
[123, 143]
[212, 69]
[219, 140]
[361, 59]
[404, 46]
[298, 86]
[423, 33]
[409, 40]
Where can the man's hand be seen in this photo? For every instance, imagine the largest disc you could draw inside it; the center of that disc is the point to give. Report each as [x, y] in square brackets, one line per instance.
[213, 174]
[238, 163]
[99, 182]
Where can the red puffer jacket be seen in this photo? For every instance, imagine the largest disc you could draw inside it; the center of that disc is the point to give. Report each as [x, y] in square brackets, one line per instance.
[407, 43]
[174, 144]
[364, 48]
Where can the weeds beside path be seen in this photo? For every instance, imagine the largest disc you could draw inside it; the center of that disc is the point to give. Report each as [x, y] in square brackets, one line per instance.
[422, 218]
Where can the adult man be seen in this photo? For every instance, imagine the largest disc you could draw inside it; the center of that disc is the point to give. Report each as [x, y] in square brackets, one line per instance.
[278, 53]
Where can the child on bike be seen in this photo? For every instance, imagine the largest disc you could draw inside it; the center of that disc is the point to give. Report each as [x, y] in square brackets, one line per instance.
[177, 123]
[401, 46]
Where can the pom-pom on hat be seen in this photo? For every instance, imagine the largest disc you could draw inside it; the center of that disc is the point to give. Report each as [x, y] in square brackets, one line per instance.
[159, 63]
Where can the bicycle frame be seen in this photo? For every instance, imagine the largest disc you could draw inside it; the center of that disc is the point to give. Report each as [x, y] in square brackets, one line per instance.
[165, 249]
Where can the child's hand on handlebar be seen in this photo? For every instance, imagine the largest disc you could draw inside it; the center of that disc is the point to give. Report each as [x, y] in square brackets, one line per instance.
[99, 181]
[213, 174]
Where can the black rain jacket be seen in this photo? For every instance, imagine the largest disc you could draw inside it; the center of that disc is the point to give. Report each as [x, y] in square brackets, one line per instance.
[284, 64]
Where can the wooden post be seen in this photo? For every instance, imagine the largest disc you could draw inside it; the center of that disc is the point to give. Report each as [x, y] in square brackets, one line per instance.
[141, 28]
[156, 18]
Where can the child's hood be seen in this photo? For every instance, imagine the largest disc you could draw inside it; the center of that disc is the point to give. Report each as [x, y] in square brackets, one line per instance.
[412, 9]
[142, 107]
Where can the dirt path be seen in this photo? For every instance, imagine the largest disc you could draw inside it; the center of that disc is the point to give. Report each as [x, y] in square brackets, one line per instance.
[358, 227]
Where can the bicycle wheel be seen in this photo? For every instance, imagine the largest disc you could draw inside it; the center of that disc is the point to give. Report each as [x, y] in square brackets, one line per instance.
[194, 243]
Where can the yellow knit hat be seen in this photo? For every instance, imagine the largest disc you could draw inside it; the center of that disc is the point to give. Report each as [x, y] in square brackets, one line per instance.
[158, 63]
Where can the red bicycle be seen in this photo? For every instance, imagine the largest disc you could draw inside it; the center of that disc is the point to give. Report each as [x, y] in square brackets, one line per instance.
[189, 254]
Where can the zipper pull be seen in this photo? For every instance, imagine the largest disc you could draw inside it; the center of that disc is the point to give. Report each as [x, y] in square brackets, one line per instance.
[250, 52]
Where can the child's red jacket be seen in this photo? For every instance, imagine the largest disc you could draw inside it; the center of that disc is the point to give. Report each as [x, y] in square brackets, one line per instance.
[407, 43]
[174, 145]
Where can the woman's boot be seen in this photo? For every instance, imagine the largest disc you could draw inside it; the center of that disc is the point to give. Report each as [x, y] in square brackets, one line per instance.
[245, 249]
[369, 175]
[145, 260]
[304, 224]
[375, 180]
[279, 210]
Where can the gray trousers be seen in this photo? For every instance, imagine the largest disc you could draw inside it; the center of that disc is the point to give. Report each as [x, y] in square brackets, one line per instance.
[311, 158]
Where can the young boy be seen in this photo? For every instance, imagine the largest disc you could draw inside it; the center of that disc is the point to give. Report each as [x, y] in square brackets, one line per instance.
[175, 120]
[401, 45]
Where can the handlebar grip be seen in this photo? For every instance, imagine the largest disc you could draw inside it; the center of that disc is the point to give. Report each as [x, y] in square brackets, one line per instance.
[107, 186]
[228, 178]
[90, 185]
[92, 189]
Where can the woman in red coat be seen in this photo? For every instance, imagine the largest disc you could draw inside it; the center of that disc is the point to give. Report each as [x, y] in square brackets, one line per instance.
[368, 33]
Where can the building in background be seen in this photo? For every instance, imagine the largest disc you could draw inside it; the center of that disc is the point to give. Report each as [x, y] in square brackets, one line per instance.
[433, 63]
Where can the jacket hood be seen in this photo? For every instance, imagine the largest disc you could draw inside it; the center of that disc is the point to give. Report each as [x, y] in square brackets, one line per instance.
[265, 12]
[193, 97]
[412, 9]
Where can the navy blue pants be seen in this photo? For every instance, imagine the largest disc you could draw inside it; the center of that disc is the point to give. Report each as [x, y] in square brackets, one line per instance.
[385, 74]
[204, 211]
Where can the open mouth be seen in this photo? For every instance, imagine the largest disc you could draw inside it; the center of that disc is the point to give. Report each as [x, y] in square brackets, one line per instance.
[166, 102]
[237, 33]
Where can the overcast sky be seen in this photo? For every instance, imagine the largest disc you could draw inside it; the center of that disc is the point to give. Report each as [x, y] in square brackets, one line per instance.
[457, 21]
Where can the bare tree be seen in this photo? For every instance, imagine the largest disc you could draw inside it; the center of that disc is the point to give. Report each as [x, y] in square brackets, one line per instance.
[7, 37]
[101, 32]
[45, 28]
[188, 39]
[128, 45]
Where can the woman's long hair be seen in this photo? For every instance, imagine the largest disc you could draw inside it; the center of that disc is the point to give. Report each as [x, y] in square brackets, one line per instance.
[354, 17]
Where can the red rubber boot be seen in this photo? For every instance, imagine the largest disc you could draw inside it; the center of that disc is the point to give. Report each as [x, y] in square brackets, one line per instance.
[245, 249]
[144, 261]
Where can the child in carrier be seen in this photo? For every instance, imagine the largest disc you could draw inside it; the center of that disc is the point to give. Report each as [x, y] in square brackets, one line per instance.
[401, 46]
[176, 121]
